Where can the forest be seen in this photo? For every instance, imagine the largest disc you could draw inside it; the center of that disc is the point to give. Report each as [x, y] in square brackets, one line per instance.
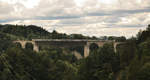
[130, 62]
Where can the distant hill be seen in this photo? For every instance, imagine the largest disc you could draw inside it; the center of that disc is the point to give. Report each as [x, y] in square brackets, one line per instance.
[31, 32]
[24, 32]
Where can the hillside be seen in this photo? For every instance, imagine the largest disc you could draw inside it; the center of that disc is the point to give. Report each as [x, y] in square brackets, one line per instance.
[24, 32]
[130, 62]
[35, 32]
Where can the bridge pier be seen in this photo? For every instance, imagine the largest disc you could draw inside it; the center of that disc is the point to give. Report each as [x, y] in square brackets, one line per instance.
[86, 50]
[115, 47]
[23, 45]
[35, 47]
[116, 44]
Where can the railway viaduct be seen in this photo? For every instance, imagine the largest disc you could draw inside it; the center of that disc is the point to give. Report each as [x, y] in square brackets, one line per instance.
[66, 43]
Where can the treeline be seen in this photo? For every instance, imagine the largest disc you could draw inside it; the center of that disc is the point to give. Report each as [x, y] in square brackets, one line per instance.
[29, 32]
[130, 62]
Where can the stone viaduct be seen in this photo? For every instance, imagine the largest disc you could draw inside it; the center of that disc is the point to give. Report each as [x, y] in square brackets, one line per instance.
[66, 43]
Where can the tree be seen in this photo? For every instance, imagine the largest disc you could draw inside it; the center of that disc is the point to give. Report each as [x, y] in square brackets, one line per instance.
[29, 46]
[101, 64]
[144, 72]
[93, 47]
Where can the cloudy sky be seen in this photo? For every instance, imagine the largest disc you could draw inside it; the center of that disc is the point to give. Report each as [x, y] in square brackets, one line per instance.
[88, 17]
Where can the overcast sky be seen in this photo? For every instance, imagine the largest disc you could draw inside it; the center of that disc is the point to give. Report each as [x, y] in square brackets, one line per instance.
[88, 17]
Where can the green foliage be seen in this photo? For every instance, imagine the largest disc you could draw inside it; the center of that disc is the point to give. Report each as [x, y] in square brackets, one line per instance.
[127, 53]
[135, 53]
[143, 35]
[101, 65]
[23, 32]
[19, 64]
[131, 62]
[58, 54]
[78, 36]
[117, 39]
[93, 47]
[144, 48]
[133, 69]
[5, 42]
[144, 72]
[29, 46]
[123, 74]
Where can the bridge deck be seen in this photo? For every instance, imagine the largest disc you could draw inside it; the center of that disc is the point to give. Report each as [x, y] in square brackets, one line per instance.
[70, 40]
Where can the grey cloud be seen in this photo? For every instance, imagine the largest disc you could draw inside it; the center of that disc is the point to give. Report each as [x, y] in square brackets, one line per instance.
[55, 17]
[130, 26]
[135, 11]
[119, 12]
[115, 25]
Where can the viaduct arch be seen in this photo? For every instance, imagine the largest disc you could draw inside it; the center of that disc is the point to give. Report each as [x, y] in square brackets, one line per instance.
[23, 44]
[66, 43]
